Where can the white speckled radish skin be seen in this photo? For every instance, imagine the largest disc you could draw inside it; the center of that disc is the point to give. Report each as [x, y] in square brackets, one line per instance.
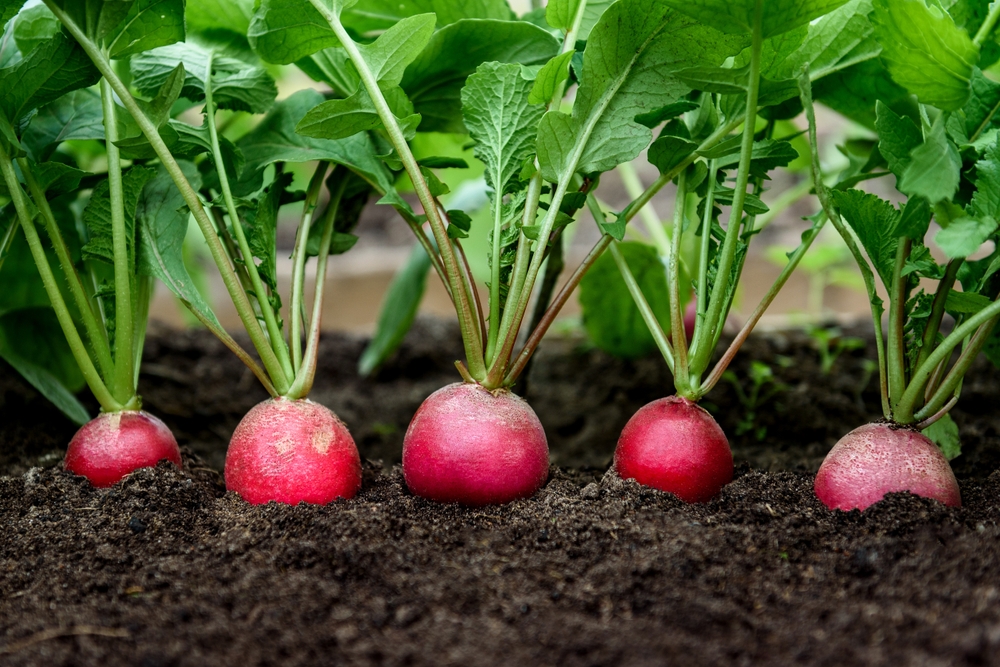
[876, 459]
[292, 452]
[113, 444]
[468, 445]
[674, 445]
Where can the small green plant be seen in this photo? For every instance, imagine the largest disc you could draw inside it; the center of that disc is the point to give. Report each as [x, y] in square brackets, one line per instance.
[831, 343]
[764, 387]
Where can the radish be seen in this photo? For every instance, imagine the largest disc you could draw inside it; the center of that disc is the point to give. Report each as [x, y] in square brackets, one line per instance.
[876, 459]
[473, 446]
[113, 444]
[674, 445]
[291, 452]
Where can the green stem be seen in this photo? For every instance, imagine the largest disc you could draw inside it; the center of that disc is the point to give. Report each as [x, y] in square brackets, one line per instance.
[307, 371]
[741, 337]
[937, 310]
[522, 257]
[987, 27]
[109, 403]
[7, 240]
[951, 386]
[647, 313]
[712, 322]
[985, 318]
[545, 321]
[96, 333]
[494, 329]
[473, 343]
[122, 382]
[823, 194]
[706, 240]
[897, 320]
[681, 376]
[276, 341]
[299, 257]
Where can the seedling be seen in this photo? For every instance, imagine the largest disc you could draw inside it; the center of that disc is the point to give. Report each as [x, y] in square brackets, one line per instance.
[946, 160]
[763, 388]
[830, 344]
[286, 449]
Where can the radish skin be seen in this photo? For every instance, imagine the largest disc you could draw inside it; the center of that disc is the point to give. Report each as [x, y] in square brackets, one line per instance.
[674, 445]
[291, 452]
[877, 459]
[114, 444]
[476, 447]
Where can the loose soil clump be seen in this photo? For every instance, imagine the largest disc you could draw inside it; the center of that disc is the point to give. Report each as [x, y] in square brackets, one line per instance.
[165, 568]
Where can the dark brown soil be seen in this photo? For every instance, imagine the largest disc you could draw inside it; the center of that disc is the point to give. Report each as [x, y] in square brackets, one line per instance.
[166, 569]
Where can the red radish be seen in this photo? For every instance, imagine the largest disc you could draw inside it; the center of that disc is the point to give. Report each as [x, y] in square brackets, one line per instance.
[476, 447]
[674, 445]
[291, 452]
[877, 459]
[113, 444]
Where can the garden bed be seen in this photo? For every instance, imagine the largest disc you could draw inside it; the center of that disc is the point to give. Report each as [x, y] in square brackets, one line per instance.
[166, 569]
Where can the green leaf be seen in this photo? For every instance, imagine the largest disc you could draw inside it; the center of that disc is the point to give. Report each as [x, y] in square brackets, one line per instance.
[162, 222]
[500, 120]
[340, 119]
[149, 24]
[399, 308]
[207, 15]
[668, 112]
[965, 236]
[9, 9]
[668, 151]
[944, 434]
[842, 38]
[275, 140]
[549, 78]
[34, 26]
[629, 68]
[965, 302]
[76, 115]
[283, 31]
[32, 342]
[925, 51]
[875, 222]
[97, 215]
[934, 169]
[54, 68]
[610, 316]
[9, 54]
[236, 83]
[853, 92]
[982, 105]
[898, 136]
[561, 14]
[736, 16]
[766, 155]
[389, 55]
[986, 200]
[100, 19]
[378, 15]
[434, 80]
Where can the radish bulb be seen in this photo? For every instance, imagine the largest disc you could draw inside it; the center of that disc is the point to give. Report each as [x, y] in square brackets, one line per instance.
[877, 459]
[674, 445]
[113, 444]
[292, 451]
[473, 446]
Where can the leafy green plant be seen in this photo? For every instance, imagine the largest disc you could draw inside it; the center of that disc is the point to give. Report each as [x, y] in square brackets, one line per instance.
[944, 159]
[830, 344]
[763, 388]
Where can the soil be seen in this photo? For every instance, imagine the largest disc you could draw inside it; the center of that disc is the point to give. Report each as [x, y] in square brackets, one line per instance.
[166, 568]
